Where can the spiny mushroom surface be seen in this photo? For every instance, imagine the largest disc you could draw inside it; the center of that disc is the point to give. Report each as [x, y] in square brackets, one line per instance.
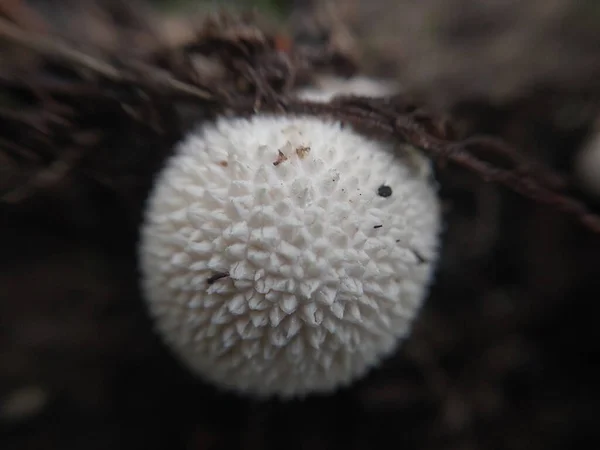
[286, 255]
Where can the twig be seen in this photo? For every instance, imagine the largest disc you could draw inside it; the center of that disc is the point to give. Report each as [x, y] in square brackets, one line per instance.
[54, 47]
[62, 51]
[512, 179]
[541, 187]
[22, 14]
[391, 118]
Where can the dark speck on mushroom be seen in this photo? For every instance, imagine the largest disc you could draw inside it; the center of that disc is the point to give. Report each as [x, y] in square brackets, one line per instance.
[420, 257]
[384, 191]
[378, 226]
[216, 277]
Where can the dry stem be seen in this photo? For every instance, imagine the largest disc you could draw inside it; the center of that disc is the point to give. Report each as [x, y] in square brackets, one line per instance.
[269, 73]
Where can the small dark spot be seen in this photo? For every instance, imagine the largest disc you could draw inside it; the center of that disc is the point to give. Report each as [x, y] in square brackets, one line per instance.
[223, 163]
[384, 191]
[280, 158]
[217, 277]
[420, 257]
[397, 240]
[378, 226]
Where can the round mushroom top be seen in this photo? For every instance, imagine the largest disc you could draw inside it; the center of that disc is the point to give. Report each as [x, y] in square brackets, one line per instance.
[286, 255]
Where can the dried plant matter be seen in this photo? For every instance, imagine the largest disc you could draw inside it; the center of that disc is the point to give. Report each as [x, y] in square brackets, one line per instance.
[62, 98]
[458, 49]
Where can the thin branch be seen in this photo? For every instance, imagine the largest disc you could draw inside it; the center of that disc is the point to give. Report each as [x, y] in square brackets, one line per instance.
[60, 50]
[57, 49]
[540, 187]
[391, 118]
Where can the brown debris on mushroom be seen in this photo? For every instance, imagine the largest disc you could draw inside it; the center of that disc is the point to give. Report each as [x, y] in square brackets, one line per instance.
[302, 151]
[281, 157]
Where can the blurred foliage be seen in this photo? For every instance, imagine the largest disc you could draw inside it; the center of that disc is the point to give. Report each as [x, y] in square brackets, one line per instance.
[278, 8]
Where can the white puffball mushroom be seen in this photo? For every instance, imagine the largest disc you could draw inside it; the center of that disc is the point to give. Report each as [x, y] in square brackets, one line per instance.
[285, 255]
[327, 87]
[587, 165]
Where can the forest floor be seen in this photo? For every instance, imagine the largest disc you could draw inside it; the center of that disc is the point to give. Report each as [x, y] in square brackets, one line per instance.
[503, 356]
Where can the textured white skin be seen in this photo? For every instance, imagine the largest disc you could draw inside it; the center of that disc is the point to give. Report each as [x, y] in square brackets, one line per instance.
[587, 165]
[316, 295]
[329, 86]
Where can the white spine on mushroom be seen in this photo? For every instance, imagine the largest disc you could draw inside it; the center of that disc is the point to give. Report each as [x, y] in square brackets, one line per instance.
[286, 255]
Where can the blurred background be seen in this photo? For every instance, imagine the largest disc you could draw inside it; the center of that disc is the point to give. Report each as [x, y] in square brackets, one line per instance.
[506, 353]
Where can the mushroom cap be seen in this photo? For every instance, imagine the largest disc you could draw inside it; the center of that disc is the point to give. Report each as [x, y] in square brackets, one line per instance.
[284, 255]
